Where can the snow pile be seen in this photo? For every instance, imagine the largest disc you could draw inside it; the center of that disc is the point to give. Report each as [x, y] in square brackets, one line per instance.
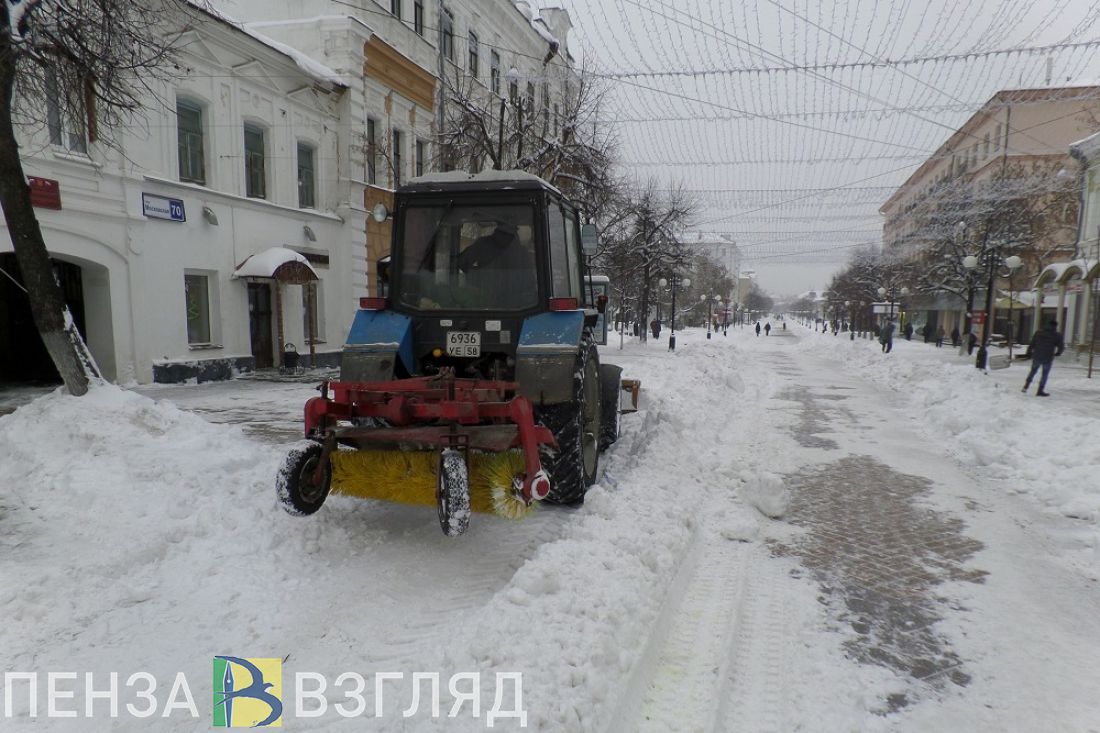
[1041, 447]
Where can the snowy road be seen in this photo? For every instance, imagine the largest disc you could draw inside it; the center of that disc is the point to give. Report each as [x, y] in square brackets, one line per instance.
[795, 533]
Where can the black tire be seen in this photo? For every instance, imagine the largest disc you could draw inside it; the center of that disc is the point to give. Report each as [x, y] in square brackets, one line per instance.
[452, 493]
[298, 493]
[576, 426]
[610, 385]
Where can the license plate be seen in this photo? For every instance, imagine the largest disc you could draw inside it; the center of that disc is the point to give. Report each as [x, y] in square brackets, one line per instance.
[463, 343]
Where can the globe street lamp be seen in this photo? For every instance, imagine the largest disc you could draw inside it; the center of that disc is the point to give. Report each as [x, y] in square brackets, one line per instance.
[895, 294]
[673, 281]
[996, 264]
[709, 305]
[851, 330]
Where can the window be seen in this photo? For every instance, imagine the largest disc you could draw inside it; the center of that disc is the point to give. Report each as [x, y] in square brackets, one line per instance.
[447, 30]
[559, 257]
[557, 119]
[255, 176]
[418, 16]
[307, 177]
[419, 157]
[494, 72]
[572, 251]
[397, 158]
[473, 54]
[66, 116]
[395, 8]
[985, 146]
[313, 305]
[530, 96]
[997, 138]
[372, 148]
[189, 138]
[196, 295]
[545, 109]
[513, 91]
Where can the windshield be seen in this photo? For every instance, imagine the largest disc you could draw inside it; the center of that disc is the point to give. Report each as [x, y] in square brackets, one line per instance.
[463, 257]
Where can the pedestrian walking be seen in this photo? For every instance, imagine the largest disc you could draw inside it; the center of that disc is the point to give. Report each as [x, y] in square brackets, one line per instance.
[886, 337]
[655, 326]
[908, 331]
[955, 337]
[939, 337]
[1046, 344]
[768, 328]
[758, 328]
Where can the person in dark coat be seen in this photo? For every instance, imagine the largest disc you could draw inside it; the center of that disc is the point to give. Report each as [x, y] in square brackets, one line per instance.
[908, 331]
[886, 337]
[955, 337]
[655, 326]
[1046, 344]
[758, 328]
[768, 328]
[939, 337]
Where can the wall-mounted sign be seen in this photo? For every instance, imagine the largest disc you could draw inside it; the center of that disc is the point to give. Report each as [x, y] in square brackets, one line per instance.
[45, 192]
[162, 207]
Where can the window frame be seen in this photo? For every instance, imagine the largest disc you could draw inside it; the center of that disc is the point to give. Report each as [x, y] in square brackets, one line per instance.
[397, 143]
[199, 109]
[494, 72]
[418, 17]
[447, 34]
[396, 8]
[418, 157]
[312, 170]
[473, 48]
[208, 302]
[250, 157]
[372, 151]
[66, 117]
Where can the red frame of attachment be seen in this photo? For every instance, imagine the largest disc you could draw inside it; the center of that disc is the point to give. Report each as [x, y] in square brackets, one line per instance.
[433, 410]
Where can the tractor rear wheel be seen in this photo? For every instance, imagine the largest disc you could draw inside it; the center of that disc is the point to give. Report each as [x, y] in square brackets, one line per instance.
[300, 490]
[576, 426]
[452, 493]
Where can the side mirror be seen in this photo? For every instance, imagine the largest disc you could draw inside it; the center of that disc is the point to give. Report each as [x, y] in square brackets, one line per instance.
[380, 213]
[589, 239]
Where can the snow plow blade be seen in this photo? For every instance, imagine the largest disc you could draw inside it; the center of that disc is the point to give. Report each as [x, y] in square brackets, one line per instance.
[411, 477]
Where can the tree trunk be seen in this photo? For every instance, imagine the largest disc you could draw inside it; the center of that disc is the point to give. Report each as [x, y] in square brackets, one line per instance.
[56, 327]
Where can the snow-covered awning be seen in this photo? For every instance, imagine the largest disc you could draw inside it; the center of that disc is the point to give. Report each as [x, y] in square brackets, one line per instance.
[277, 263]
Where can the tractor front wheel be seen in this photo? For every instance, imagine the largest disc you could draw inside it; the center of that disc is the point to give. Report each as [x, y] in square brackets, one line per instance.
[452, 493]
[300, 489]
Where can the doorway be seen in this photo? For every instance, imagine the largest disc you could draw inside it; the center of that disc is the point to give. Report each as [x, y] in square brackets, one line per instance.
[259, 325]
[23, 356]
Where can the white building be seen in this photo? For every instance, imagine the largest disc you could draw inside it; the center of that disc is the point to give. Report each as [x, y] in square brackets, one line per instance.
[242, 155]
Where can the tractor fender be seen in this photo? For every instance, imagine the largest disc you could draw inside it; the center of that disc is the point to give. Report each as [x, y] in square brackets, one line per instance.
[377, 342]
[546, 356]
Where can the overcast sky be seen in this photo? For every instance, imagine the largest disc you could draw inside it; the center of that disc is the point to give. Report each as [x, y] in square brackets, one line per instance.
[794, 120]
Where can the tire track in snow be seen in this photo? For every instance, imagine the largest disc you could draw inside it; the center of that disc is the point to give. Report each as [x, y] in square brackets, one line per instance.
[690, 669]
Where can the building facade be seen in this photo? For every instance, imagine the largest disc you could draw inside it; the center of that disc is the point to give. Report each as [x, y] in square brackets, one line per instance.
[1018, 143]
[236, 163]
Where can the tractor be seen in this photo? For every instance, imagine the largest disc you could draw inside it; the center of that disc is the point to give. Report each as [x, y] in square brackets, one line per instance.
[473, 382]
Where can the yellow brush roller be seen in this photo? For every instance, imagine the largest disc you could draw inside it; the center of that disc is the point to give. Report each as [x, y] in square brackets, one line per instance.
[409, 477]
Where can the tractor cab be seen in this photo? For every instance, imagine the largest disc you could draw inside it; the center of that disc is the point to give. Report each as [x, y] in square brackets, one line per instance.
[477, 264]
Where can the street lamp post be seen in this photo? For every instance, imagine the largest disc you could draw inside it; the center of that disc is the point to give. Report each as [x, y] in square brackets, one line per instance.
[851, 325]
[895, 294]
[673, 281]
[709, 304]
[996, 264]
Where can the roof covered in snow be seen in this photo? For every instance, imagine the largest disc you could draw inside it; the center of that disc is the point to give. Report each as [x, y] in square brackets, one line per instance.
[264, 264]
[307, 64]
[488, 176]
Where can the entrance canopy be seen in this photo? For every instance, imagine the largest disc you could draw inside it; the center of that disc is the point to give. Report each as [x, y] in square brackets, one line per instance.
[277, 263]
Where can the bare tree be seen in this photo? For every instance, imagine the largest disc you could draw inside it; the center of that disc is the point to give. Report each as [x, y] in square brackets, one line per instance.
[83, 66]
[545, 125]
[640, 243]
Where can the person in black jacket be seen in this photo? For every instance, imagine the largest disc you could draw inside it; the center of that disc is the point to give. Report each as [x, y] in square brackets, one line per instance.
[1045, 345]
